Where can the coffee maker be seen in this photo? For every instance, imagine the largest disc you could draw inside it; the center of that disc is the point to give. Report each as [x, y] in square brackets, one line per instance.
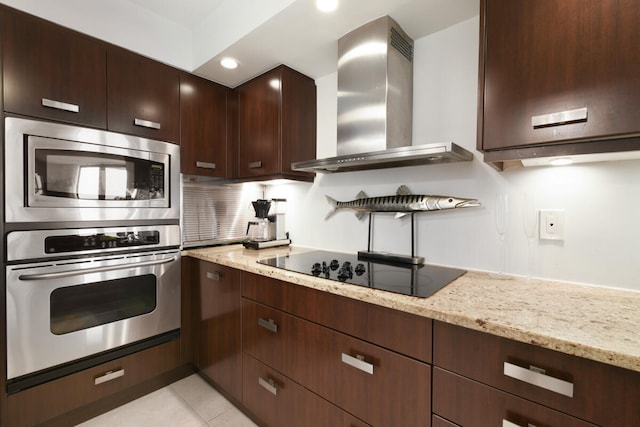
[267, 230]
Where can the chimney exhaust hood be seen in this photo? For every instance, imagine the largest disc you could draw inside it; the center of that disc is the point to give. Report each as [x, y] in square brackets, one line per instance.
[375, 105]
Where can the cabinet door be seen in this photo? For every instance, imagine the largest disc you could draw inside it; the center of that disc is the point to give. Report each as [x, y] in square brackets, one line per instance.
[276, 124]
[143, 96]
[203, 127]
[218, 326]
[43, 402]
[557, 71]
[53, 72]
[468, 403]
[259, 125]
[576, 386]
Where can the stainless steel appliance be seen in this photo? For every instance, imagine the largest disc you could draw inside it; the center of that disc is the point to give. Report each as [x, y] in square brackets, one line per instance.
[62, 173]
[415, 280]
[78, 297]
[375, 105]
[267, 230]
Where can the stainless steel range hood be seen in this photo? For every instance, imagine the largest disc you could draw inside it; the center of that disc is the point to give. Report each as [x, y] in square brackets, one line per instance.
[375, 105]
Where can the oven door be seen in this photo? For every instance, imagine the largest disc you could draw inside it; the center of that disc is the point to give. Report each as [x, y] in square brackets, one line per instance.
[61, 311]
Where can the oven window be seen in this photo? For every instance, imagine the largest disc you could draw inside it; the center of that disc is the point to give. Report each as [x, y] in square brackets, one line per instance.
[74, 308]
[96, 176]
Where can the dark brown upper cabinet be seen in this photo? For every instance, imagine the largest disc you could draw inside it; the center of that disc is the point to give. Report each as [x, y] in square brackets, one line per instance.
[52, 72]
[143, 96]
[276, 124]
[558, 77]
[203, 127]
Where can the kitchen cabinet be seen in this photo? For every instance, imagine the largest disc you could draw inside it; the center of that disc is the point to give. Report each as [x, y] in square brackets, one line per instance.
[52, 72]
[52, 401]
[218, 317]
[471, 366]
[374, 383]
[276, 125]
[558, 78]
[203, 127]
[143, 96]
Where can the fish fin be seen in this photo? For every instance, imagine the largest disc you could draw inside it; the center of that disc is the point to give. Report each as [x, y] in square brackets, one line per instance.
[400, 215]
[333, 205]
[361, 195]
[360, 215]
[403, 190]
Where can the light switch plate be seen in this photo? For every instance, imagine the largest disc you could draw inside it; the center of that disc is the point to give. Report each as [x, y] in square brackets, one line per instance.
[552, 224]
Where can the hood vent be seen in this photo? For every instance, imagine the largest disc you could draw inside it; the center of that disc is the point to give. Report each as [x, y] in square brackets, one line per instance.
[375, 105]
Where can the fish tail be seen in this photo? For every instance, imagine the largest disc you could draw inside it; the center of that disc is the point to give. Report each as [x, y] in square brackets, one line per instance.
[333, 206]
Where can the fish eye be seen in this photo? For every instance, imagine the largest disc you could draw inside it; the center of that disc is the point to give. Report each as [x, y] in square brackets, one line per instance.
[450, 200]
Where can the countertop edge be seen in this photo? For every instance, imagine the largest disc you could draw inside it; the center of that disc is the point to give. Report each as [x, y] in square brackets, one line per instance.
[244, 259]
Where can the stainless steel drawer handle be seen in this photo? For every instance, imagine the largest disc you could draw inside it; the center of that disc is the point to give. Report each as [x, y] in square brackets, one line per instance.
[255, 165]
[536, 376]
[73, 108]
[205, 165]
[213, 275]
[146, 123]
[559, 118]
[268, 385]
[268, 324]
[506, 423]
[111, 375]
[358, 362]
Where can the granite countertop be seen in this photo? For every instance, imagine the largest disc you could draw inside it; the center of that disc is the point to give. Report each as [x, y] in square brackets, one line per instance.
[596, 323]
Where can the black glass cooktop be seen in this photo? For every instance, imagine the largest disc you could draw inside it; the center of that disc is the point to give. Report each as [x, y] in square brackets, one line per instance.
[416, 280]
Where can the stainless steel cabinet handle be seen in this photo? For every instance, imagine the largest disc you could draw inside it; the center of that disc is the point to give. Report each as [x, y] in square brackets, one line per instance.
[268, 324]
[268, 385]
[146, 124]
[205, 165]
[559, 118]
[536, 376]
[70, 273]
[73, 108]
[213, 275]
[358, 362]
[506, 423]
[111, 375]
[255, 165]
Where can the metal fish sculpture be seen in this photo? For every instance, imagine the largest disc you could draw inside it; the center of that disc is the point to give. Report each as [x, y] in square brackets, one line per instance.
[403, 203]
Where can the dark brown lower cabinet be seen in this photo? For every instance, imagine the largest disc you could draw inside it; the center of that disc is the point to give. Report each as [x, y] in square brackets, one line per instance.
[470, 403]
[49, 401]
[437, 421]
[218, 316]
[276, 400]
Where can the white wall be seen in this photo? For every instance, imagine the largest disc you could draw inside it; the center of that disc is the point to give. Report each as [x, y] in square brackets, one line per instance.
[600, 200]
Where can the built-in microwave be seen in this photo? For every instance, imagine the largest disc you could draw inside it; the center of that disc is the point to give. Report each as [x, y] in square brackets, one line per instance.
[56, 172]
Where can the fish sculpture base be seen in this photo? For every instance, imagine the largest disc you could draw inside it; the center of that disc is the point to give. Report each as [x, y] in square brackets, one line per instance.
[389, 258]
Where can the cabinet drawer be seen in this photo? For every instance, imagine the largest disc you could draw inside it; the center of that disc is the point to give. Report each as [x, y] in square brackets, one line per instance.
[393, 329]
[379, 386]
[263, 333]
[279, 401]
[436, 421]
[41, 403]
[599, 393]
[469, 403]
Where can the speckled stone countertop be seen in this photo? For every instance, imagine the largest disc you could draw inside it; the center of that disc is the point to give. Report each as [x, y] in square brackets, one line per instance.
[596, 323]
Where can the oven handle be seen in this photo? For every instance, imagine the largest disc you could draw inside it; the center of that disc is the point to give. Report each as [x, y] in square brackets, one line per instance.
[70, 273]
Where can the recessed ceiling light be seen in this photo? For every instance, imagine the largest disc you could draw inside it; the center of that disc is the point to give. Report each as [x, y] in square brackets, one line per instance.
[229, 63]
[327, 5]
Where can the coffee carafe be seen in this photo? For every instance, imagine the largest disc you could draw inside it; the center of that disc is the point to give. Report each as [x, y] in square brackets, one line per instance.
[258, 230]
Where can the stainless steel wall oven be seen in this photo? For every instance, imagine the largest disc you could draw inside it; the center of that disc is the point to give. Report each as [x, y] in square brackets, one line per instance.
[92, 255]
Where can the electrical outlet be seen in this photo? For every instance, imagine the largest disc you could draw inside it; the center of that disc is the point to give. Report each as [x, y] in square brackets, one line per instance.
[551, 224]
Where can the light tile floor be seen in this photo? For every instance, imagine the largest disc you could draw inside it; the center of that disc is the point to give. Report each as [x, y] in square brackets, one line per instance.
[190, 402]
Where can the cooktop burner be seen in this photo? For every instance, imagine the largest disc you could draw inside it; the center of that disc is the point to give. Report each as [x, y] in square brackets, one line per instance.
[416, 280]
